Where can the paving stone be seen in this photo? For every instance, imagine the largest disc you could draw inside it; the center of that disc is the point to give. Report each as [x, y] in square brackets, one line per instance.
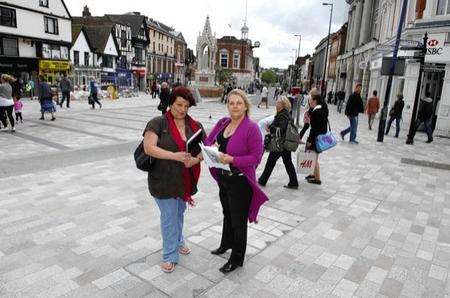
[391, 287]
[345, 288]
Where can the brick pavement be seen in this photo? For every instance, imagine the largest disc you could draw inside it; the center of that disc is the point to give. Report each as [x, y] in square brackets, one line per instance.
[85, 225]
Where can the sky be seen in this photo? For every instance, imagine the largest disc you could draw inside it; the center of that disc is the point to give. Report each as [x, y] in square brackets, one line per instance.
[272, 23]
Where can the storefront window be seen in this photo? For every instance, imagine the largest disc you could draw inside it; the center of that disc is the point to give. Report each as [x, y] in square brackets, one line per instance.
[65, 53]
[56, 52]
[46, 51]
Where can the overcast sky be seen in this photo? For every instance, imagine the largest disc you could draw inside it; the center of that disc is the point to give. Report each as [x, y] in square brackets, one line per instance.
[273, 23]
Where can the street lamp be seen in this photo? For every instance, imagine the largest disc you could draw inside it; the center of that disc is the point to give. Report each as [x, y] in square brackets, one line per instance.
[299, 41]
[257, 44]
[326, 49]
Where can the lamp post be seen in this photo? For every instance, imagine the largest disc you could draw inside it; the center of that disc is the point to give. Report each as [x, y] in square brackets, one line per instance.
[326, 49]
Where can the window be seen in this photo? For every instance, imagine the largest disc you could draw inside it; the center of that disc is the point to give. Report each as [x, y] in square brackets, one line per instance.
[142, 32]
[51, 25]
[167, 49]
[123, 43]
[443, 7]
[86, 58]
[154, 33]
[56, 52]
[153, 46]
[236, 60]
[76, 58]
[107, 61]
[43, 3]
[9, 47]
[224, 59]
[65, 53]
[138, 54]
[7, 17]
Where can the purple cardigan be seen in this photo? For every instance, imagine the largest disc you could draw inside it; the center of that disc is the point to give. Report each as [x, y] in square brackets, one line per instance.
[246, 147]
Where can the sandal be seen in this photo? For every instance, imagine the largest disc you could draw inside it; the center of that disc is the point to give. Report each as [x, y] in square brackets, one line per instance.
[184, 250]
[167, 267]
[309, 177]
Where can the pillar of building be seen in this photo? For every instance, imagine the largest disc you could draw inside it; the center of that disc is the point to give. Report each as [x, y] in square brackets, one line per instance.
[357, 24]
[366, 22]
[349, 31]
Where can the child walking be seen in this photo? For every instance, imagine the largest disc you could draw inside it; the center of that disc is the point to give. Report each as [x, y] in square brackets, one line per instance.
[18, 105]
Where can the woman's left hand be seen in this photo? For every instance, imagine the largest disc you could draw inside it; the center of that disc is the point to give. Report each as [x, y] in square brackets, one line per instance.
[191, 161]
[225, 158]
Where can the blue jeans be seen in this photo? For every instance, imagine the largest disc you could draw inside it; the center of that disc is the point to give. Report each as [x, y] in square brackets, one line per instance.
[352, 129]
[397, 125]
[172, 218]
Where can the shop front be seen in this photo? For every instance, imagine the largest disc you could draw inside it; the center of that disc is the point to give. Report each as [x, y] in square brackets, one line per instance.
[52, 70]
[82, 75]
[108, 78]
[139, 78]
[124, 78]
[165, 77]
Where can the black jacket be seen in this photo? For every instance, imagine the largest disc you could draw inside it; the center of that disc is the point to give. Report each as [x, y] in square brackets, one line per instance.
[281, 121]
[397, 109]
[354, 105]
[319, 125]
[164, 97]
[426, 109]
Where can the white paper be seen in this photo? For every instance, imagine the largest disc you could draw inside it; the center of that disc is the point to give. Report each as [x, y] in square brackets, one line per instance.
[211, 157]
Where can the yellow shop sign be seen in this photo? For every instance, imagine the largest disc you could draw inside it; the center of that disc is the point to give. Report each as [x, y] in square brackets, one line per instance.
[50, 65]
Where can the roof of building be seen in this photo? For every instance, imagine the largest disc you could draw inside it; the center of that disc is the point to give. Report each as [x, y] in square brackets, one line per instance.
[231, 39]
[98, 37]
[159, 26]
[133, 20]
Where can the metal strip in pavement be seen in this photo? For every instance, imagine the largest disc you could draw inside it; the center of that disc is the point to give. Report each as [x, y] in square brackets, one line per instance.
[62, 159]
[101, 123]
[425, 163]
[40, 141]
[78, 131]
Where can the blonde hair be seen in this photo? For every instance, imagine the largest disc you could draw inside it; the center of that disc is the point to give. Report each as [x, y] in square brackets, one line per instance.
[164, 85]
[243, 95]
[285, 102]
[8, 78]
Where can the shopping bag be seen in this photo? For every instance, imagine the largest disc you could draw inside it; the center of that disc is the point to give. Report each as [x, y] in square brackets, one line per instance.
[306, 161]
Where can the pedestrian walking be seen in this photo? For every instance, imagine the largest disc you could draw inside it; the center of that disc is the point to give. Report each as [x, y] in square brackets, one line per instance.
[396, 114]
[65, 86]
[154, 89]
[281, 121]
[93, 97]
[319, 126]
[18, 105]
[6, 101]
[173, 178]
[164, 98]
[264, 97]
[46, 98]
[340, 100]
[306, 121]
[240, 144]
[372, 107]
[353, 108]
[330, 96]
[425, 116]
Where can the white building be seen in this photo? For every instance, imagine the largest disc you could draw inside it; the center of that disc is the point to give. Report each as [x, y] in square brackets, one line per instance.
[83, 57]
[423, 16]
[35, 38]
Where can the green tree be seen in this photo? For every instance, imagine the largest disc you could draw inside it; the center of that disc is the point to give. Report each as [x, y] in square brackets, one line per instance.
[269, 77]
[224, 76]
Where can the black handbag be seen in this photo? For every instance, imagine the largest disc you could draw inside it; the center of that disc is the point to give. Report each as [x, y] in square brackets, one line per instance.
[274, 142]
[143, 161]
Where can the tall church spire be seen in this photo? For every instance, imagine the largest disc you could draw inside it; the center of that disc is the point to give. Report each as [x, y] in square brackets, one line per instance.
[207, 27]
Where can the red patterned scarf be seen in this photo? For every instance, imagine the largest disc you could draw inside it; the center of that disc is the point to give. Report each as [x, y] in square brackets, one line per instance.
[190, 175]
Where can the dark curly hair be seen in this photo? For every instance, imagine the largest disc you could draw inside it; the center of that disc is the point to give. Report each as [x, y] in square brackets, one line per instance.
[184, 93]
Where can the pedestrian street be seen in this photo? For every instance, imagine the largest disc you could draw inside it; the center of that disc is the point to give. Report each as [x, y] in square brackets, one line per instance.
[77, 220]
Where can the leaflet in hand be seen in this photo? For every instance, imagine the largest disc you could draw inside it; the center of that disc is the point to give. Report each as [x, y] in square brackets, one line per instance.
[192, 145]
[211, 157]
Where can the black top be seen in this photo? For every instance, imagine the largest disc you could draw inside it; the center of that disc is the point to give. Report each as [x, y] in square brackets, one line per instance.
[354, 105]
[426, 109]
[397, 109]
[223, 142]
[280, 121]
[164, 97]
[319, 125]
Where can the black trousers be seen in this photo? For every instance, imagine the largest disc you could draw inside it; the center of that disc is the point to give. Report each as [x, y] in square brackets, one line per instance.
[95, 100]
[65, 96]
[287, 161]
[235, 196]
[19, 116]
[7, 112]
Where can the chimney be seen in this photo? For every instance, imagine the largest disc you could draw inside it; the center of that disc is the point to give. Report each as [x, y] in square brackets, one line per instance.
[86, 12]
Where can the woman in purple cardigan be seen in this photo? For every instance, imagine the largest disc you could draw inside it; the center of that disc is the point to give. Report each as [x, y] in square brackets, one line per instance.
[239, 139]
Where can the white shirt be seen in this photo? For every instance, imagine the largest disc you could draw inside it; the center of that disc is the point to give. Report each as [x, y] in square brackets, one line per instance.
[264, 92]
[264, 124]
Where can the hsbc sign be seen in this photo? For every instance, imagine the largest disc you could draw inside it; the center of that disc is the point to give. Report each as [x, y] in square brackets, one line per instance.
[437, 50]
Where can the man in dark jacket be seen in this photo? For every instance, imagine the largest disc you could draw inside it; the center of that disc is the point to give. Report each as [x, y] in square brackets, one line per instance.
[353, 108]
[425, 116]
[396, 114]
[65, 86]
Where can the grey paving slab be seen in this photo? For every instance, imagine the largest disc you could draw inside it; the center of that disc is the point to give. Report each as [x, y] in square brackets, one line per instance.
[79, 222]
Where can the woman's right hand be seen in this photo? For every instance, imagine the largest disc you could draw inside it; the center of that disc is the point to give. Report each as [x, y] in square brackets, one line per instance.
[180, 156]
